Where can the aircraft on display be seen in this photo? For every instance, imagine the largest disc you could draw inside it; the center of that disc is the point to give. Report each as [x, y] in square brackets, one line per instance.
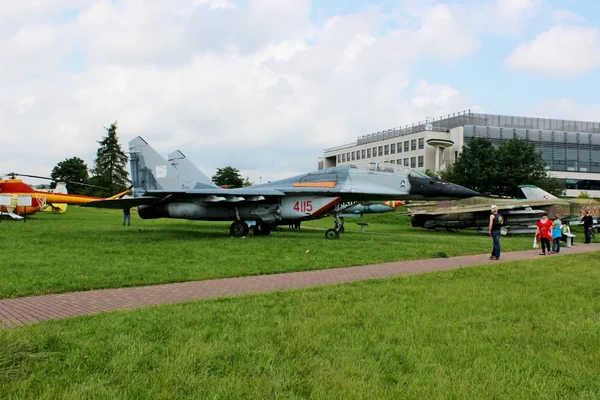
[520, 216]
[162, 191]
[571, 209]
[14, 194]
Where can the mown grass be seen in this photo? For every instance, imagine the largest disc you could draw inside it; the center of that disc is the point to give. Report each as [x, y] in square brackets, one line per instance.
[518, 330]
[86, 249]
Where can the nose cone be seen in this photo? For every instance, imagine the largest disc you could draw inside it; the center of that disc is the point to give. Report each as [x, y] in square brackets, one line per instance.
[438, 189]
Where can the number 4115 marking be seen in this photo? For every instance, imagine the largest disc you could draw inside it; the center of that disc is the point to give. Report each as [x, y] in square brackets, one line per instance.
[303, 206]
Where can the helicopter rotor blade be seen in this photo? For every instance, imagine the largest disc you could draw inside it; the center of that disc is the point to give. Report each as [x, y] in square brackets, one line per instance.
[13, 174]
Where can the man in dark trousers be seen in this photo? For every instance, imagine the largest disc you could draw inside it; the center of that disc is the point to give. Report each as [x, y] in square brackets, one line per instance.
[126, 216]
[588, 225]
[496, 222]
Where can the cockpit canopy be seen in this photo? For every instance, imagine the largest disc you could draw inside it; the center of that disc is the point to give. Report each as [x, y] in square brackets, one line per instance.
[388, 167]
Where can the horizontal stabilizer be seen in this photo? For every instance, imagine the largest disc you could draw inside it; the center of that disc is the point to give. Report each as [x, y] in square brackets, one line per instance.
[122, 203]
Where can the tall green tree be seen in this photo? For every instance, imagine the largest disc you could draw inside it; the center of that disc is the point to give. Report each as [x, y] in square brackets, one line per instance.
[476, 168]
[71, 171]
[520, 163]
[110, 169]
[500, 171]
[229, 177]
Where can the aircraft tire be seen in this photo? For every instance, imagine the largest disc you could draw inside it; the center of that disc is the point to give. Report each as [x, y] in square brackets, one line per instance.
[332, 234]
[239, 229]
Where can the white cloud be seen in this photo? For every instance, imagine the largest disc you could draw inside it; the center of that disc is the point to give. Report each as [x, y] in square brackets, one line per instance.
[562, 51]
[563, 15]
[567, 109]
[261, 88]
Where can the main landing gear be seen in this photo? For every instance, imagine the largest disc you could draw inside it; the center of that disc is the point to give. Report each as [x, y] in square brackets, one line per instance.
[240, 229]
[261, 229]
[334, 233]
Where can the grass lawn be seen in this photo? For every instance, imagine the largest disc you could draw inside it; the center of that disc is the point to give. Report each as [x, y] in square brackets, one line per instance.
[86, 249]
[518, 330]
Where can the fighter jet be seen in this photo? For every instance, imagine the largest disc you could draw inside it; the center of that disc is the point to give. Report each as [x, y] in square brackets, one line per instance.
[520, 216]
[161, 191]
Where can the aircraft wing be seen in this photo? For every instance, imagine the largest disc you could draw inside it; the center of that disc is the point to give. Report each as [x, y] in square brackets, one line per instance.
[468, 209]
[215, 192]
[192, 195]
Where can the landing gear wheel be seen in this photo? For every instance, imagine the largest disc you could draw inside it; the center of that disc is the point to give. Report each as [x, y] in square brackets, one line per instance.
[332, 234]
[261, 229]
[239, 229]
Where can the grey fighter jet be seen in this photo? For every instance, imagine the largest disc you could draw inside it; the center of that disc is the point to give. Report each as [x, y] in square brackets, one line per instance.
[162, 191]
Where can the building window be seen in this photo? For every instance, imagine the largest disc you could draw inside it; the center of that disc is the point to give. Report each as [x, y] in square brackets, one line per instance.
[413, 144]
[399, 161]
[399, 147]
[339, 158]
[343, 158]
[386, 149]
[421, 143]
[406, 146]
[391, 161]
[353, 156]
[420, 162]
[413, 162]
[348, 156]
[380, 151]
[374, 151]
[369, 152]
[358, 154]
[393, 149]
[362, 154]
[406, 162]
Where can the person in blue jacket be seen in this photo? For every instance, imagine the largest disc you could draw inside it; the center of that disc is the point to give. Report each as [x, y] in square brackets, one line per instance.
[556, 234]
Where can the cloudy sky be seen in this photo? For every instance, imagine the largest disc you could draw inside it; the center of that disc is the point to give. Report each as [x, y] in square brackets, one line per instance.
[266, 85]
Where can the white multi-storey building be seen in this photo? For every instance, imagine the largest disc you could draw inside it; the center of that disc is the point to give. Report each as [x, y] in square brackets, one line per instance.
[571, 149]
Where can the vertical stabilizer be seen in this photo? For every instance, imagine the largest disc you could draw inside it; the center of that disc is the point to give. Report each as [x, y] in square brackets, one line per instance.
[150, 171]
[533, 192]
[189, 172]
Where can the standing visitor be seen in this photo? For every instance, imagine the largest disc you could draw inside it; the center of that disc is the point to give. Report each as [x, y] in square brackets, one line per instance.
[588, 225]
[556, 234]
[544, 229]
[496, 223]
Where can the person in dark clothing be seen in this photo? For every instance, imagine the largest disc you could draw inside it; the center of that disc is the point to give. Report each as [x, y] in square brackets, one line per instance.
[588, 225]
[126, 216]
[496, 222]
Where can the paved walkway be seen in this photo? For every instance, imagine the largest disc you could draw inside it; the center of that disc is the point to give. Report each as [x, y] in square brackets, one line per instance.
[28, 310]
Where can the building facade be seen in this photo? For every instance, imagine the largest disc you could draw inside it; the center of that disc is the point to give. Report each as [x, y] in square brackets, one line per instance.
[571, 149]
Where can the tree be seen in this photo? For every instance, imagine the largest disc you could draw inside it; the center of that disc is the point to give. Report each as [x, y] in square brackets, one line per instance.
[430, 173]
[229, 177]
[520, 163]
[248, 182]
[476, 167]
[71, 171]
[500, 171]
[110, 165]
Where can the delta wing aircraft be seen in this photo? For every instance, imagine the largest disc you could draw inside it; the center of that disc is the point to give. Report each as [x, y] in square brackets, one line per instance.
[163, 191]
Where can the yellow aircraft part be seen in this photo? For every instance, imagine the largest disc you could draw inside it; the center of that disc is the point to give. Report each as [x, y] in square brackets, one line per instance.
[56, 208]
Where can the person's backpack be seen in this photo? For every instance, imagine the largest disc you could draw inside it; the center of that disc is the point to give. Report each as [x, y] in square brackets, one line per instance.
[498, 221]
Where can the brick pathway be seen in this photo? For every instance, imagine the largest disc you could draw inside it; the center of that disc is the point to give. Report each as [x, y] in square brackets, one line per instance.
[28, 310]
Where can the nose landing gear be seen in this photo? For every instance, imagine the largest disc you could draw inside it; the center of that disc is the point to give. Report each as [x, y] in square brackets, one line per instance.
[334, 233]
